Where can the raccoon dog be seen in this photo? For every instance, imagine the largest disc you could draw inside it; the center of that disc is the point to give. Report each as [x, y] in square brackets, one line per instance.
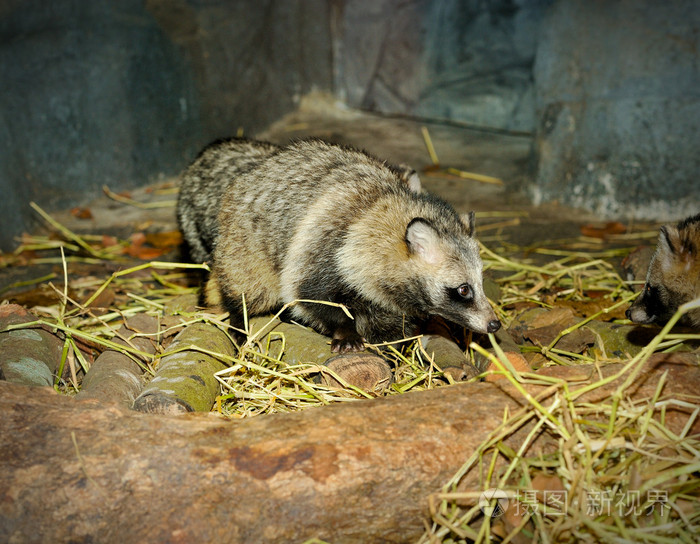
[673, 277]
[320, 222]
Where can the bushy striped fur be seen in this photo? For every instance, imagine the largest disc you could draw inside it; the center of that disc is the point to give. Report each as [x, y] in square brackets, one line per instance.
[316, 221]
[209, 176]
[205, 181]
[673, 277]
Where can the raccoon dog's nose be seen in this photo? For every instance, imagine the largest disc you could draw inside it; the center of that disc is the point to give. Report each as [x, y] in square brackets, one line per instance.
[628, 314]
[493, 325]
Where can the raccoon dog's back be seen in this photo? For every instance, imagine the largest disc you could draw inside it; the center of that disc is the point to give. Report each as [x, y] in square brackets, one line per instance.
[205, 181]
[322, 222]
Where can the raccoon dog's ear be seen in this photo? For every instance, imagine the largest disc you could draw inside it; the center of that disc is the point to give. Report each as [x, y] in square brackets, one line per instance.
[410, 177]
[423, 240]
[669, 239]
[468, 221]
[676, 248]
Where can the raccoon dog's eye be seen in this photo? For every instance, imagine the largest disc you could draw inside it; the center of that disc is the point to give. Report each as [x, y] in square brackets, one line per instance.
[465, 291]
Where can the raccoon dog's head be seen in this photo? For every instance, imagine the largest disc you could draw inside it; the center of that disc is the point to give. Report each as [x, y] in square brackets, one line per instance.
[451, 274]
[673, 277]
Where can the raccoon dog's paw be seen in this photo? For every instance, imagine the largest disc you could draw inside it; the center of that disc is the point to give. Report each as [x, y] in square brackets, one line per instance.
[346, 340]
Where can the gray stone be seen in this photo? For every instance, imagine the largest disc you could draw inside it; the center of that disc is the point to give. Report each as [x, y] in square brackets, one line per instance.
[462, 61]
[119, 93]
[618, 107]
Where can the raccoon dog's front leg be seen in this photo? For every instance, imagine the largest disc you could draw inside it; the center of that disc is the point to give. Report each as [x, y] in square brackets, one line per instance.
[377, 325]
[346, 339]
[333, 321]
[234, 306]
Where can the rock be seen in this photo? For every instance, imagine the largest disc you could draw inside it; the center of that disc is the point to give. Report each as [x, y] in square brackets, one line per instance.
[609, 131]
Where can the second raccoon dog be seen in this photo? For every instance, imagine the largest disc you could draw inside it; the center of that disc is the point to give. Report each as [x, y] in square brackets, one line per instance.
[316, 221]
[673, 277]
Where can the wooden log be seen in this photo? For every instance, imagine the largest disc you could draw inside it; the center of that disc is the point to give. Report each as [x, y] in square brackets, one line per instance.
[184, 380]
[30, 356]
[365, 370]
[448, 357]
[301, 344]
[356, 472]
[115, 377]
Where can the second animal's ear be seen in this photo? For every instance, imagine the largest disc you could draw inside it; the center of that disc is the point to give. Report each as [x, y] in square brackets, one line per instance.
[678, 247]
[669, 239]
[468, 221]
[423, 240]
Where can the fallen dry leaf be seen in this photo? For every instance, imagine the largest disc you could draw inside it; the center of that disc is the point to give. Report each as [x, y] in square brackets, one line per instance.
[513, 516]
[603, 231]
[102, 303]
[137, 249]
[550, 491]
[516, 359]
[165, 240]
[587, 308]
[563, 317]
[81, 213]
[147, 253]
[108, 241]
[574, 342]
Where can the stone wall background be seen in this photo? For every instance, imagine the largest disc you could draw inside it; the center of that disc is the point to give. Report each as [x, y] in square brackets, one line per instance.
[117, 93]
[120, 93]
[465, 61]
[618, 107]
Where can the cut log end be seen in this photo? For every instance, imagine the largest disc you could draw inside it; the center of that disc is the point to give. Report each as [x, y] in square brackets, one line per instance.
[368, 372]
[155, 403]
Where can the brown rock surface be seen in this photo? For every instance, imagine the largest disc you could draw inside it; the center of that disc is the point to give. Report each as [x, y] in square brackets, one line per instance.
[360, 471]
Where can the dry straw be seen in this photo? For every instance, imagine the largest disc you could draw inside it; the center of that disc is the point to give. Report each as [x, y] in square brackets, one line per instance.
[617, 473]
[617, 448]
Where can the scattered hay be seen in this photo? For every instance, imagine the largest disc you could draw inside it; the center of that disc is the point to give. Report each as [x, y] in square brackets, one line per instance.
[618, 474]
